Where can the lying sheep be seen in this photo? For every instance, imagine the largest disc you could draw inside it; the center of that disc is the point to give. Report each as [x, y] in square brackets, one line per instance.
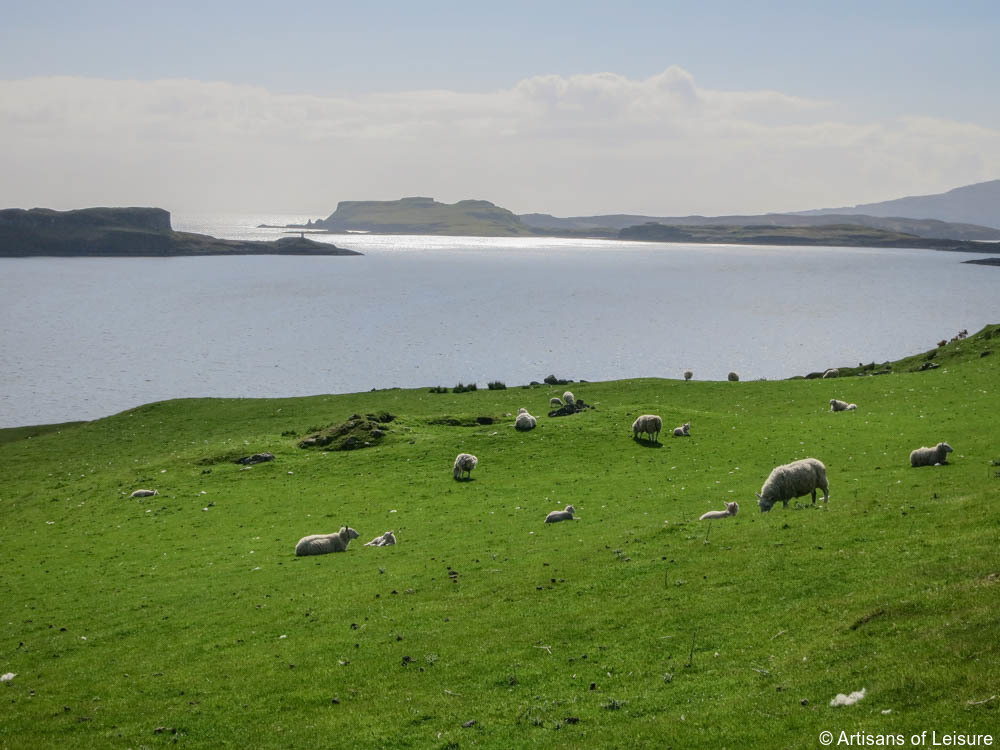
[464, 464]
[522, 410]
[569, 398]
[851, 407]
[524, 422]
[650, 424]
[731, 510]
[555, 401]
[837, 405]
[385, 540]
[794, 480]
[561, 515]
[321, 544]
[144, 493]
[832, 373]
[683, 430]
[930, 456]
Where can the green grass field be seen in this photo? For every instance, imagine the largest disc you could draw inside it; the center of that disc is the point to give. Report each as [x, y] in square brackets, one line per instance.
[185, 618]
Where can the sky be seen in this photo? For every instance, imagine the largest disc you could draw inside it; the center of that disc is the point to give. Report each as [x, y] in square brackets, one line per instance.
[660, 108]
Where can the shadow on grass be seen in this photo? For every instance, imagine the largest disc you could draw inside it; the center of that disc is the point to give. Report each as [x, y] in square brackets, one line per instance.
[648, 443]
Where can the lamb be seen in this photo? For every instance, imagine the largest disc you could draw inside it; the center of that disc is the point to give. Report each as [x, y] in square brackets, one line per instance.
[521, 411]
[384, 540]
[464, 464]
[569, 398]
[930, 456]
[524, 422]
[837, 405]
[734, 378]
[561, 515]
[683, 430]
[688, 375]
[793, 480]
[650, 424]
[144, 493]
[832, 373]
[851, 407]
[731, 510]
[555, 401]
[321, 544]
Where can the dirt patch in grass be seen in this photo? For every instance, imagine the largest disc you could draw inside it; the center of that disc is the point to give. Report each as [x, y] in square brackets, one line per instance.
[357, 432]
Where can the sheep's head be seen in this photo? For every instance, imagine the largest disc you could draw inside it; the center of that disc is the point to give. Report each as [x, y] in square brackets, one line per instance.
[570, 509]
[351, 533]
[733, 508]
[765, 505]
[945, 447]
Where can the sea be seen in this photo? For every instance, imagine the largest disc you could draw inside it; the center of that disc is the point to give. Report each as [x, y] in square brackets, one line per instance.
[83, 338]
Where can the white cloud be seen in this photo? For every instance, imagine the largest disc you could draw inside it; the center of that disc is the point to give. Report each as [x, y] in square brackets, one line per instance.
[565, 145]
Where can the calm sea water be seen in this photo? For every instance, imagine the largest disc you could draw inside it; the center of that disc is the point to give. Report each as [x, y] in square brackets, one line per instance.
[84, 338]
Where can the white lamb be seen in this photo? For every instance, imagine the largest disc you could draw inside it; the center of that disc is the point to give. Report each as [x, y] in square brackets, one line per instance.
[930, 456]
[522, 410]
[731, 510]
[321, 544]
[794, 480]
[561, 515]
[144, 493]
[524, 422]
[851, 407]
[683, 431]
[464, 464]
[837, 405]
[555, 401]
[650, 424]
[569, 398]
[384, 540]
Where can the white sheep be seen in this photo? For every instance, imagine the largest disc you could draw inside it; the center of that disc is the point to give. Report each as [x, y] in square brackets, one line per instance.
[555, 401]
[561, 515]
[930, 456]
[731, 510]
[733, 377]
[524, 422]
[522, 410]
[569, 398]
[683, 431]
[837, 405]
[650, 424]
[794, 480]
[384, 540]
[833, 372]
[688, 375]
[464, 464]
[321, 544]
[851, 407]
[144, 493]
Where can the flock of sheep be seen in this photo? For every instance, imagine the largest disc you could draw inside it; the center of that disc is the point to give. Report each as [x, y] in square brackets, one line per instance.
[784, 483]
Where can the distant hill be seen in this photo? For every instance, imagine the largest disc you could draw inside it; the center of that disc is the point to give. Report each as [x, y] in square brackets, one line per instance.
[928, 228]
[128, 232]
[424, 216]
[975, 204]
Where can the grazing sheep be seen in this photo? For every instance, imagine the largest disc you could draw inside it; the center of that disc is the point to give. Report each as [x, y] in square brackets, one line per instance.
[734, 378]
[833, 372]
[794, 480]
[561, 515]
[555, 401]
[683, 430]
[930, 456]
[524, 422]
[321, 544]
[144, 493]
[837, 405]
[650, 424]
[464, 464]
[569, 398]
[385, 540]
[851, 407]
[688, 375]
[731, 510]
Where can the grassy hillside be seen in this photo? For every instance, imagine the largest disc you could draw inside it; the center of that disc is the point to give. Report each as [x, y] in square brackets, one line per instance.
[185, 618]
[425, 216]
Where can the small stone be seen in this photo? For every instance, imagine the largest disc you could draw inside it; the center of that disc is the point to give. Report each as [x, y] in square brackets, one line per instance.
[469, 723]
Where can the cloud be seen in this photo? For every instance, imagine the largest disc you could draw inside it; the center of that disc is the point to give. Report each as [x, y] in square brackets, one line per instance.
[563, 144]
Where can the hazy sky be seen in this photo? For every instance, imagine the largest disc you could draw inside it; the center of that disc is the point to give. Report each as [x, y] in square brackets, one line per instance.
[561, 107]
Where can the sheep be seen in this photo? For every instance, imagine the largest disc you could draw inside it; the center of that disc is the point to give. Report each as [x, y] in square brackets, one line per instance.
[683, 430]
[731, 510]
[561, 515]
[833, 372]
[930, 456]
[521, 411]
[793, 480]
[851, 407]
[569, 398]
[524, 422]
[386, 539]
[688, 375]
[555, 401]
[464, 464]
[144, 493]
[650, 424]
[837, 405]
[733, 377]
[321, 544]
